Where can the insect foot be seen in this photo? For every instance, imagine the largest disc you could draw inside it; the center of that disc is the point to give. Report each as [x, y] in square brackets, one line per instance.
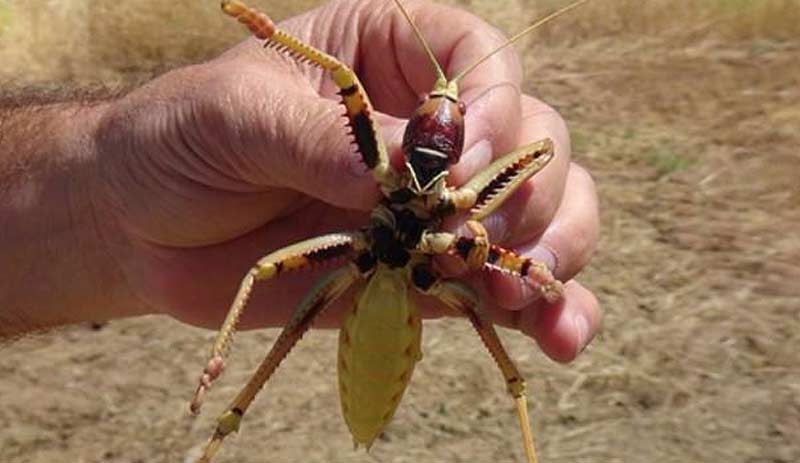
[551, 289]
[211, 372]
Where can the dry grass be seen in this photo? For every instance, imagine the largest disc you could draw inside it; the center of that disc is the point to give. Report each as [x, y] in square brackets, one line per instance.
[88, 41]
[686, 112]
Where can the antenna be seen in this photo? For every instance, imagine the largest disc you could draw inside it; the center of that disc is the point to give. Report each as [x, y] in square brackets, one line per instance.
[439, 73]
[513, 39]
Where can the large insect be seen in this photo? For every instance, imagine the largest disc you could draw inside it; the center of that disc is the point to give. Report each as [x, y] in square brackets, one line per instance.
[379, 342]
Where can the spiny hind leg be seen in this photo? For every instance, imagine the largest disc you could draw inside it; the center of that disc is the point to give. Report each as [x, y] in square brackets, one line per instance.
[294, 257]
[318, 298]
[461, 298]
[363, 127]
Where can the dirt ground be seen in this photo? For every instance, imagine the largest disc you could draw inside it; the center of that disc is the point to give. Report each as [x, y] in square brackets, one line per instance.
[688, 117]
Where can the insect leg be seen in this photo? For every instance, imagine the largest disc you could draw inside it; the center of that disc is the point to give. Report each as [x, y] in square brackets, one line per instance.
[318, 298]
[475, 256]
[472, 249]
[294, 257]
[364, 128]
[505, 260]
[486, 191]
[463, 299]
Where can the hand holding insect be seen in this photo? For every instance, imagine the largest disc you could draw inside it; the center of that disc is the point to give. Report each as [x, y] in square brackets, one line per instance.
[231, 108]
[246, 157]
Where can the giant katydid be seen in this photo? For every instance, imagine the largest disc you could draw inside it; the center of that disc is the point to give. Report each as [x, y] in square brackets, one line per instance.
[393, 255]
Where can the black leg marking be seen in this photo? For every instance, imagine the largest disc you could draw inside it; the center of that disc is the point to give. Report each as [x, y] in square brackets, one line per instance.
[526, 266]
[423, 277]
[464, 246]
[366, 262]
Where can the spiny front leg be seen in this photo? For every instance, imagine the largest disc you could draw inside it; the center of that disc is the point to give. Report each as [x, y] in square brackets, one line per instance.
[364, 129]
[486, 191]
[318, 298]
[295, 257]
[460, 297]
[477, 253]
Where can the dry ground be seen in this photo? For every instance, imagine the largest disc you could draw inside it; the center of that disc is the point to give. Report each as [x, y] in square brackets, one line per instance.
[688, 115]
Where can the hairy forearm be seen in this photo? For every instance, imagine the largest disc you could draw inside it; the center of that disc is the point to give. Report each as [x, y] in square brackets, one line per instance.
[54, 266]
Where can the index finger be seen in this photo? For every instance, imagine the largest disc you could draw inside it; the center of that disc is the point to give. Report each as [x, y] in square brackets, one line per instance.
[396, 80]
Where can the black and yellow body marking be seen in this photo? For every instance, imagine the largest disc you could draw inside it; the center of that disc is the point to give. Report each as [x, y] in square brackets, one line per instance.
[505, 260]
[478, 253]
[305, 254]
[364, 129]
[396, 232]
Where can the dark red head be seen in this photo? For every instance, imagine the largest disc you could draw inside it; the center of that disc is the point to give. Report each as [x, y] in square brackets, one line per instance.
[433, 140]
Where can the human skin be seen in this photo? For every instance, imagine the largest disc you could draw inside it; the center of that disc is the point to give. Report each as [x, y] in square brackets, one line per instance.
[159, 201]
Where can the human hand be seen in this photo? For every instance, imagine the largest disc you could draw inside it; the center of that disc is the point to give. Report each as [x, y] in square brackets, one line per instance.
[209, 167]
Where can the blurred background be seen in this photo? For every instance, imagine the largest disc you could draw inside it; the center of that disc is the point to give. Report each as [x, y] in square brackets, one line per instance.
[688, 115]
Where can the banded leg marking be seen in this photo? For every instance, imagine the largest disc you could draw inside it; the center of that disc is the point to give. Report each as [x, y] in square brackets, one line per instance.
[476, 252]
[363, 127]
[486, 191]
[294, 257]
[475, 255]
[505, 260]
[319, 297]
[465, 301]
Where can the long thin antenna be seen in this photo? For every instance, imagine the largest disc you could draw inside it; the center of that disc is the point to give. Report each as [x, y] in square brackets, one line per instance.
[513, 39]
[439, 73]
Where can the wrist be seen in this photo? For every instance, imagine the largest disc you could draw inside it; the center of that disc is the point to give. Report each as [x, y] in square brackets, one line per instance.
[56, 265]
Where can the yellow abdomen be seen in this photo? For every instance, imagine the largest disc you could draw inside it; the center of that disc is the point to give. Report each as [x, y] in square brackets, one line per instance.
[379, 344]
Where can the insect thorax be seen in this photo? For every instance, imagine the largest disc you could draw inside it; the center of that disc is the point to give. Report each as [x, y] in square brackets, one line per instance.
[397, 226]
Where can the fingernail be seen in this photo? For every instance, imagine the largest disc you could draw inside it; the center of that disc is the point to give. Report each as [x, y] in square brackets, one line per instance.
[496, 226]
[582, 329]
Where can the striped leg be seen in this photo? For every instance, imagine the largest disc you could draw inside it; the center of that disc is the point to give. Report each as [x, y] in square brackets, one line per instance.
[486, 191]
[364, 129]
[462, 298]
[294, 257]
[477, 250]
[323, 293]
